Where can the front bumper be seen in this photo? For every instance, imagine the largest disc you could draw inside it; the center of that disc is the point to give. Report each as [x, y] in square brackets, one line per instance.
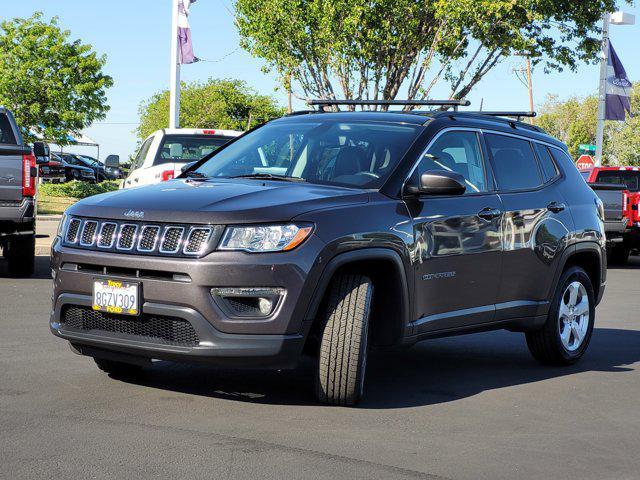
[275, 341]
[249, 351]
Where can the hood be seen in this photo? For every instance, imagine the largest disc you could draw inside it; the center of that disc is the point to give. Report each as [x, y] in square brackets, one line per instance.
[217, 201]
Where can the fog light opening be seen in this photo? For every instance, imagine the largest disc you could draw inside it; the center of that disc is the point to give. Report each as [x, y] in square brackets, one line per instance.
[248, 302]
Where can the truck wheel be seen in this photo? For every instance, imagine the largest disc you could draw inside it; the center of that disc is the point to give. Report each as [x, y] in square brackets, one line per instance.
[618, 255]
[567, 331]
[118, 369]
[343, 345]
[21, 255]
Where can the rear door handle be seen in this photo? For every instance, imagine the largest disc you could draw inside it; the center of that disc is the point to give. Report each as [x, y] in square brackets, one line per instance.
[489, 213]
[556, 207]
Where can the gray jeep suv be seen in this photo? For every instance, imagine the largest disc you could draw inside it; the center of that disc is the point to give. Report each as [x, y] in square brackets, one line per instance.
[332, 233]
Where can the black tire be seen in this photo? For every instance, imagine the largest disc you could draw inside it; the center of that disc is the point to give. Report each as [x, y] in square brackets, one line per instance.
[618, 255]
[545, 344]
[21, 255]
[118, 369]
[344, 342]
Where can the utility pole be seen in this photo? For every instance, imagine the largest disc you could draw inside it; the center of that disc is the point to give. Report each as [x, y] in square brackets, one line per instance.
[290, 108]
[602, 89]
[530, 84]
[174, 70]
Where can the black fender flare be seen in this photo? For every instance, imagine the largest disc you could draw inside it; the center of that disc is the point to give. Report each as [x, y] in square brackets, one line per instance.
[580, 247]
[358, 255]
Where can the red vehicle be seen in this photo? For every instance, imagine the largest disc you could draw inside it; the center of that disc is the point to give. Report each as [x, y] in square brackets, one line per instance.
[629, 177]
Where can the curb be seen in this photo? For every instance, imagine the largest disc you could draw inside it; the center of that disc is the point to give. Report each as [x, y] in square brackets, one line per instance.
[48, 218]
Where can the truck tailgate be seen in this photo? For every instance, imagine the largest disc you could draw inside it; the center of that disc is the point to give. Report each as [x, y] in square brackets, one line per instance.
[11, 165]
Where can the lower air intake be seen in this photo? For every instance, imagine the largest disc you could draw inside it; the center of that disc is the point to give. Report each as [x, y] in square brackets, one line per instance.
[150, 328]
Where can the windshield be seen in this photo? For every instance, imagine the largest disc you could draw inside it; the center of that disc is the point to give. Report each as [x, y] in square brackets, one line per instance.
[354, 154]
[187, 148]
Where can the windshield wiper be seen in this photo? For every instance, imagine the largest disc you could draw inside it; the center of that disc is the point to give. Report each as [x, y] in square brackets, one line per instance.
[270, 176]
[195, 174]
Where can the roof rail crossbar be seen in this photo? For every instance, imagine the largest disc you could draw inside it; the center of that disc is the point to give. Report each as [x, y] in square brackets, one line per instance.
[434, 103]
[508, 114]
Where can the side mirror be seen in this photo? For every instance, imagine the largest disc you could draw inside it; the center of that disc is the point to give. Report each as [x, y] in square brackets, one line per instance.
[112, 161]
[187, 167]
[42, 152]
[436, 182]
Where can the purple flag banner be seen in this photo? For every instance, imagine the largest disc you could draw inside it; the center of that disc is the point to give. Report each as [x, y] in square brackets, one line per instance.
[185, 48]
[618, 89]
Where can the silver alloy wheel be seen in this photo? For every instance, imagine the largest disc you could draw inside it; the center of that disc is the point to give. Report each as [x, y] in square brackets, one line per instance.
[574, 316]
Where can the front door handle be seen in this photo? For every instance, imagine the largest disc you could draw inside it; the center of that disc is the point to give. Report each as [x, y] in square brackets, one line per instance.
[489, 213]
[556, 207]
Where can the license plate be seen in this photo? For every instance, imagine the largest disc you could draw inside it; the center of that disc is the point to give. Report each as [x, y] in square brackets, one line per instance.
[115, 296]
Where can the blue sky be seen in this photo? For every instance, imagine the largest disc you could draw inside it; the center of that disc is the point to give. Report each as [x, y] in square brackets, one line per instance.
[135, 36]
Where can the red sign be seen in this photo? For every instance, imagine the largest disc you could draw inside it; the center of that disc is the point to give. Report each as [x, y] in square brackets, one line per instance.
[585, 162]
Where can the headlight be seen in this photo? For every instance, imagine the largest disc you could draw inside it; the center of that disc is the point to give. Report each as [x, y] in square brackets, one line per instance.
[264, 238]
[61, 225]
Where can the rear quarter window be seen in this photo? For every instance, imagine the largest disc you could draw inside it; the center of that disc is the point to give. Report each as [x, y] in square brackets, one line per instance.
[514, 165]
[6, 133]
[547, 165]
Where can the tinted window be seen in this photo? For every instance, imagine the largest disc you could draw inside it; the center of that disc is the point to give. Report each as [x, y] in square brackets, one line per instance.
[515, 167]
[548, 166]
[187, 148]
[350, 153]
[458, 152]
[620, 177]
[585, 175]
[6, 134]
[142, 153]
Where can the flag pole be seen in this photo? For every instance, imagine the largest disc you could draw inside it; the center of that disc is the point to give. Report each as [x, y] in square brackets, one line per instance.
[174, 70]
[602, 94]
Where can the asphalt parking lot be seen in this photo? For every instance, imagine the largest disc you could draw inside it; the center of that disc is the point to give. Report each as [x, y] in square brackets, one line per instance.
[469, 407]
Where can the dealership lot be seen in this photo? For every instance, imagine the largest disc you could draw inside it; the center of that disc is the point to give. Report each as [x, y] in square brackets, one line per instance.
[466, 407]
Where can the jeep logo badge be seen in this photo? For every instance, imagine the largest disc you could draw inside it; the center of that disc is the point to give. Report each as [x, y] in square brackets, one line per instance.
[139, 214]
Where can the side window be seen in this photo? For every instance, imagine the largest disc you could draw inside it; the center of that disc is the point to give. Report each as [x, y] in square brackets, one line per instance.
[514, 165]
[458, 151]
[6, 134]
[548, 166]
[142, 153]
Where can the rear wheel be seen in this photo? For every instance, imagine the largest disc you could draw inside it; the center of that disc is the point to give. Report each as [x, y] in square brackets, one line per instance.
[21, 255]
[344, 341]
[618, 255]
[118, 369]
[567, 331]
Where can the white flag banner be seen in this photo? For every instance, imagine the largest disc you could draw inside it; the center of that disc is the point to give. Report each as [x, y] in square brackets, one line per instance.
[185, 48]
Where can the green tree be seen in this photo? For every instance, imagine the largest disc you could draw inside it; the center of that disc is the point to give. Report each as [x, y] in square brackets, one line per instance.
[54, 86]
[374, 48]
[574, 122]
[225, 104]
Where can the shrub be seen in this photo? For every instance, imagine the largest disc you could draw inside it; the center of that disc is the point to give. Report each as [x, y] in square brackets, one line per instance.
[76, 189]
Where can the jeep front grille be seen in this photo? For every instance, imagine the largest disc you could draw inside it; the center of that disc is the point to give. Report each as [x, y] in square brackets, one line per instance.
[141, 238]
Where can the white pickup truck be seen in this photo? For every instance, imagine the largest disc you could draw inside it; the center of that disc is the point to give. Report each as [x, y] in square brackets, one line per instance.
[163, 154]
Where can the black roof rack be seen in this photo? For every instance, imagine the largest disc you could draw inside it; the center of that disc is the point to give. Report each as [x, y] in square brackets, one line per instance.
[516, 115]
[433, 103]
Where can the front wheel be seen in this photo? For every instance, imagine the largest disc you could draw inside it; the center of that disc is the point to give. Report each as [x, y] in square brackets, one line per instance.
[344, 342]
[567, 332]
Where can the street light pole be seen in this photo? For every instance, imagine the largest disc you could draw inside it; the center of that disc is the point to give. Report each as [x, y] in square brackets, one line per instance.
[174, 75]
[602, 90]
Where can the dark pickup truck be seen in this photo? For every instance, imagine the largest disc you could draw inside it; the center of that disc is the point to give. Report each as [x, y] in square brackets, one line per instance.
[615, 220]
[18, 184]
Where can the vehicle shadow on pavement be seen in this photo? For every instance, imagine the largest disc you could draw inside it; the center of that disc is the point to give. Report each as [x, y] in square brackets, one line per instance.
[432, 372]
[42, 268]
[632, 264]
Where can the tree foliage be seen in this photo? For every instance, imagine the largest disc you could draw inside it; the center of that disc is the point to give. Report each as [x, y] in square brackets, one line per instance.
[54, 86]
[574, 122]
[225, 104]
[374, 48]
